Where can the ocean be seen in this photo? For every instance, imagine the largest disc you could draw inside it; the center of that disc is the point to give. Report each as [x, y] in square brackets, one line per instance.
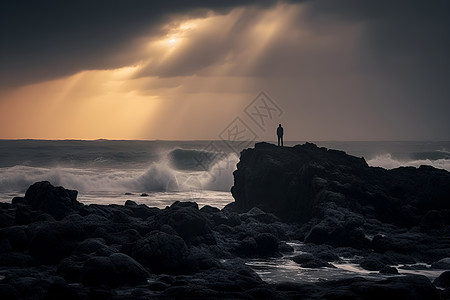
[157, 173]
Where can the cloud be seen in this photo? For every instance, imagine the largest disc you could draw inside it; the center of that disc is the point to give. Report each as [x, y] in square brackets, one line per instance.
[345, 69]
[43, 40]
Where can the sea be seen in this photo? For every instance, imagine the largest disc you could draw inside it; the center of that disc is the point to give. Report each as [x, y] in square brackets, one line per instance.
[158, 173]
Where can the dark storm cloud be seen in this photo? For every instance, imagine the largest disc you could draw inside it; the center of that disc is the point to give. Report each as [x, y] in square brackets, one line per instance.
[46, 39]
[406, 39]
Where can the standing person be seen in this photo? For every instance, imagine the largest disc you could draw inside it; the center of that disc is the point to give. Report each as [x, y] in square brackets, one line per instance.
[280, 132]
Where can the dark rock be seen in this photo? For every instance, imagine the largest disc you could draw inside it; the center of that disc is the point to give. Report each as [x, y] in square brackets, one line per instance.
[202, 258]
[101, 294]
[141, 211]
[443, 280]
[16, 236]
[188, 222]
[307, 260]
[57, 201]
[71, 268]
[61, 290]
[285, 248]
[375, 262]
[162, 253]
[144, 195]
[259, 215]
[389, 270]
[95, 246]
[209, 209]
[297, 183]
[415, 267]
[99, 271]
[53, 241]
[247, 248]
[397, 287]
[24, 215]
[15, 259]
[112, 236]
[442, 264]
[130, 271]
[267, 244]
[7, 215]
[8, 292]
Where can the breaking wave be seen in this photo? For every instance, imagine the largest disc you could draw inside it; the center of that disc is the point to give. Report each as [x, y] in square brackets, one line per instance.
[175, 172]
[387, 161]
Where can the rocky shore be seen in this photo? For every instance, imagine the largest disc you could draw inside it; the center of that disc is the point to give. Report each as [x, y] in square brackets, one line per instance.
[53, 247]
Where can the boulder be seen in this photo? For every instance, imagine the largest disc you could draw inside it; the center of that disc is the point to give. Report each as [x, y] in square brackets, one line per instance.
[99, 271]
[307, 260]
[57, 201]
[443, 281]
[442, 264]
[186, 219]
[116, 270]
[130, 271]
[162, 253]
[52, 241]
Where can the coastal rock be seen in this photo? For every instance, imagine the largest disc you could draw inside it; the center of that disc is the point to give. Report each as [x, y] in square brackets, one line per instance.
[57, 201]
[443, 280]
[442, 264]
[397, 287]
[189, 223]
[162, 253]
[307, 260]
[52, 241]
[297, 183]
[116, 270]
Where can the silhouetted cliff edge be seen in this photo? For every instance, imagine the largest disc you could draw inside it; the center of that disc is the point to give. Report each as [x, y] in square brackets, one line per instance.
[305, 181]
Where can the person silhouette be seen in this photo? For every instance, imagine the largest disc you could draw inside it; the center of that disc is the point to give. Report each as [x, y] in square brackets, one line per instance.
[280, 132]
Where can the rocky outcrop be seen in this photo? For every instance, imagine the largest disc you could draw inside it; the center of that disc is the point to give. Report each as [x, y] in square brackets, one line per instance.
[56, 201]
[304, 181]
[183, 252]
[400, 215]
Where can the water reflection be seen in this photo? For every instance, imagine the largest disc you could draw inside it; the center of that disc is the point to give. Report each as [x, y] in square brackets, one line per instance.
[284, 269]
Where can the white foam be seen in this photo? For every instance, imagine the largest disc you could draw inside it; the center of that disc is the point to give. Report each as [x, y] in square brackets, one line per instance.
[388, 162]
[159, 176]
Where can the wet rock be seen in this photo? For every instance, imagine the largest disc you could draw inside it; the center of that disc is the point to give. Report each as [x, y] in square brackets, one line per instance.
[247, 248]
[389, 270]
[442, 264]
[285, 248]
[267, 245]
[307, 260]
[373, 263]
[443, 280]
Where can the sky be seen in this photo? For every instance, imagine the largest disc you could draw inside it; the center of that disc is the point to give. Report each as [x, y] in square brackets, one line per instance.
[343, 70]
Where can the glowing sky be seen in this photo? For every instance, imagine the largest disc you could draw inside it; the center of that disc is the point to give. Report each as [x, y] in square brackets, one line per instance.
[178, 70]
